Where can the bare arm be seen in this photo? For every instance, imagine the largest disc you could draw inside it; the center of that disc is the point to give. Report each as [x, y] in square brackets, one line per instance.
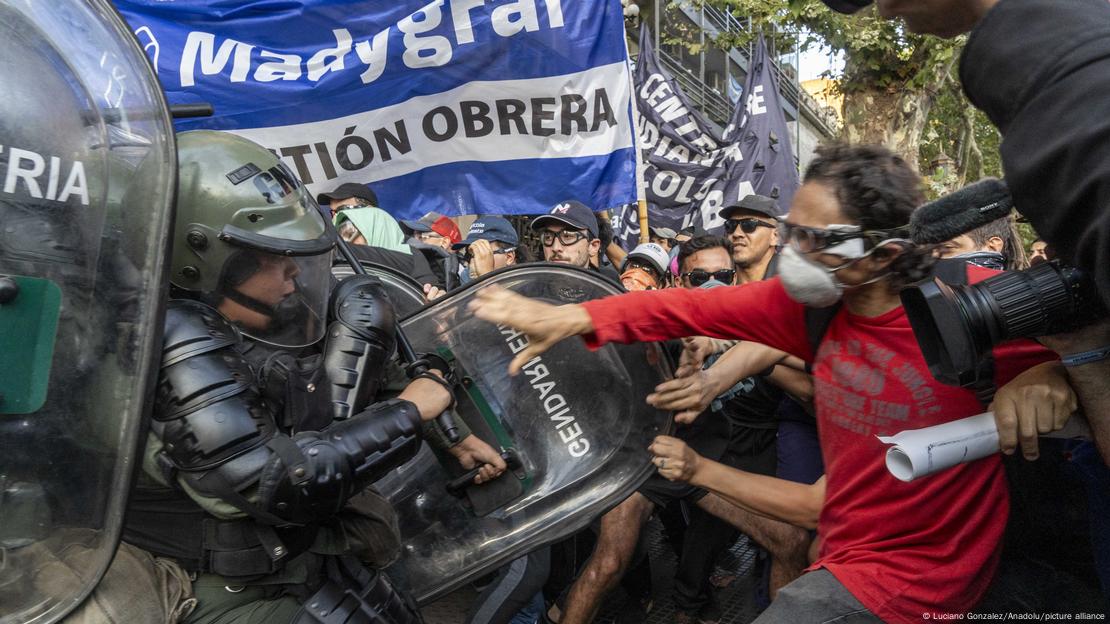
[778, 499]
[1089, 381]
[694, 389]
[794, 382]
[616, 254]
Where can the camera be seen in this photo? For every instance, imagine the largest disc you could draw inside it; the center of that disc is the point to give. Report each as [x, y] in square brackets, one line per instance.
[958, 326]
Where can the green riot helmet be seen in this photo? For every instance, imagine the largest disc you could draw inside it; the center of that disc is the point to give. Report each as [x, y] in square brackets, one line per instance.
[250, 240]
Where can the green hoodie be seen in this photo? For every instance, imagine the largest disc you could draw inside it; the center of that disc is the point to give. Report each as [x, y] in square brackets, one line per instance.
[377, 226]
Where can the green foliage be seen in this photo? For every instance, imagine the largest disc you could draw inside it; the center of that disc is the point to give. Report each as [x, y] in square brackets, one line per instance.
[880, 56]
[878, 53]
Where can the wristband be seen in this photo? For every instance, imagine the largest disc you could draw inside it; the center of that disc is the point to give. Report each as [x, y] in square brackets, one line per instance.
[1086, 357]
[447, 385]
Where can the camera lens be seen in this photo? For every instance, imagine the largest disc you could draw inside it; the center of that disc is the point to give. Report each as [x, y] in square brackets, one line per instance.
[957, 326]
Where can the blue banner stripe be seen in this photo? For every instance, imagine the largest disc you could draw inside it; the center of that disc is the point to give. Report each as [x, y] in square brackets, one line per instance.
[514, 187]
[572, 48]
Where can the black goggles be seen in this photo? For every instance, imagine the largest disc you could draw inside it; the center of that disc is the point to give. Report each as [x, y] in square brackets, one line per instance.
[697, 277]
[809, 240]
[747, 226]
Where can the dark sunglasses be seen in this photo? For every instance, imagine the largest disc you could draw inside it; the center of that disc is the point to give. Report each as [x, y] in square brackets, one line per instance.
[466, 256]
[566, 237]
[697, 277]
[747, 225]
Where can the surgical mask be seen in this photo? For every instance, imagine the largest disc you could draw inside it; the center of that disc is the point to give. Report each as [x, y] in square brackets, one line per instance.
[636, 278]
[985, 259]
[806, 282]
[712, 283]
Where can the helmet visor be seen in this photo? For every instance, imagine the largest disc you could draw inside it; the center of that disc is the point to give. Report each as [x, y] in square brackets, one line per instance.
[280, 300]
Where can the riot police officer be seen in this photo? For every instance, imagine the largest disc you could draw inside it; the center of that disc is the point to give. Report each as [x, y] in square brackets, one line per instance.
[264, 437]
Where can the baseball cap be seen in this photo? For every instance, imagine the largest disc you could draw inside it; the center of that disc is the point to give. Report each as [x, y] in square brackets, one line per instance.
[755, 203]
[435, 222]
[573, 214]
[490, 228]
[662, 232]
[655, 256]
[347, 191]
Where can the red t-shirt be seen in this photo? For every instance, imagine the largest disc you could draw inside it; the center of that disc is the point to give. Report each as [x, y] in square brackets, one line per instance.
[902, 549]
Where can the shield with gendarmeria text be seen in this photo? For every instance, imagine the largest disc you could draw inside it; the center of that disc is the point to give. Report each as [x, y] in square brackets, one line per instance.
[573, 426]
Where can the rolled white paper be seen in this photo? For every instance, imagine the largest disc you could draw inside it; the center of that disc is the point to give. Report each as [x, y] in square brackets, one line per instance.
[920, 452]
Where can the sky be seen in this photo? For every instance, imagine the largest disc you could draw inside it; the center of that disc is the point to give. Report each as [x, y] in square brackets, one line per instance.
[816, 60]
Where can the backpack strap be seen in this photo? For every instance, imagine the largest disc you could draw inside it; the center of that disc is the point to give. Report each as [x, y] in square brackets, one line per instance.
[817, 324]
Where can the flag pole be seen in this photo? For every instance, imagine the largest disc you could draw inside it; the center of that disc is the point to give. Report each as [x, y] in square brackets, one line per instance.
[641, 192]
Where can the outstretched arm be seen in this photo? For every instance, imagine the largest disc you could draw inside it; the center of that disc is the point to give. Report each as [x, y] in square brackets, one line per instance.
[760, 312]
[779, 499]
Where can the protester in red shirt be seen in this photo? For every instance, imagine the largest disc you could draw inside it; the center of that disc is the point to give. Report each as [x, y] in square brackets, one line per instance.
[891, 550]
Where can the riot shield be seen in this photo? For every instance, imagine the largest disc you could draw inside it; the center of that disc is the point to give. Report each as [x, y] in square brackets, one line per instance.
[88, 168]
[404, 292]
[573, 424]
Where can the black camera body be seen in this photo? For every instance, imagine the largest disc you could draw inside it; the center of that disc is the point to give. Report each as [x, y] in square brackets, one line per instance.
[958, 326]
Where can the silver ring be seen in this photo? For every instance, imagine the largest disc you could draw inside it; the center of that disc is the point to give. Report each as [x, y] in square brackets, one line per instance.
[662, 464]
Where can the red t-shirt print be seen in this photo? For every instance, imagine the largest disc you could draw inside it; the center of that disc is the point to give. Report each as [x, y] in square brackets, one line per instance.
[902, 549]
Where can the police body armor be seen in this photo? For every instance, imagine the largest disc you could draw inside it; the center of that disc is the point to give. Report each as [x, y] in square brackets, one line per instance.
[235, 416]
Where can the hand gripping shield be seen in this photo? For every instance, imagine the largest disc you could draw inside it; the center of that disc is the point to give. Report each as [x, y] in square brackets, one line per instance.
[87, 153]
[573, 426]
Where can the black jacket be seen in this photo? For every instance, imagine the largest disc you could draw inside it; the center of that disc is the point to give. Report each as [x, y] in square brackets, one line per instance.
[1040, 69]
[414, 265]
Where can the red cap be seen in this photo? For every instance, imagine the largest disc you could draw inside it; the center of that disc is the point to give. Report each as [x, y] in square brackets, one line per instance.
[446, 228]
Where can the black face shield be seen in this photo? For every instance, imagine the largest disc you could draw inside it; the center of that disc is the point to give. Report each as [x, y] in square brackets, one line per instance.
[847, 6]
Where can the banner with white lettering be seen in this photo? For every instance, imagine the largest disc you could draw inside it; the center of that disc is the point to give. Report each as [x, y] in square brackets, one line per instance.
[456, 106]
[692, 170]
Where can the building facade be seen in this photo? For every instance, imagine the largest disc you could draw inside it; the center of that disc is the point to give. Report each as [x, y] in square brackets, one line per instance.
[713, 78]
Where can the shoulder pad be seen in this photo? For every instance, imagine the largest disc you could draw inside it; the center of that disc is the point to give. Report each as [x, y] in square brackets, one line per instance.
[193, 328]
[206, 409]
[362, 303]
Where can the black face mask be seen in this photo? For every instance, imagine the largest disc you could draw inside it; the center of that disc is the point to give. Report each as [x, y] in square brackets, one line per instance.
[985, 259]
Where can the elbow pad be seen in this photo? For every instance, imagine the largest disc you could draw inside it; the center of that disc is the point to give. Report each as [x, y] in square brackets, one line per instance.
[360, 340]
[310, 477]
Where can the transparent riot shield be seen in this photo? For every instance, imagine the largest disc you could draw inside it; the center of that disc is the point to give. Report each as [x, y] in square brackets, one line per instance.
[82, 233]
[574, 425]
[404, 292]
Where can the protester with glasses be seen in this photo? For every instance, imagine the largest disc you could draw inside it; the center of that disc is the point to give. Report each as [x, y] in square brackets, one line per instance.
[890, 551]
[490, 244]
[568, 233]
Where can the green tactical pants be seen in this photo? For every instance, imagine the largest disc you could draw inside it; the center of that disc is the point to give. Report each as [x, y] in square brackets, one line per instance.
[257, 604]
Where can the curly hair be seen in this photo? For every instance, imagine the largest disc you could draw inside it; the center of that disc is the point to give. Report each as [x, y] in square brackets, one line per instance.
[877, 190]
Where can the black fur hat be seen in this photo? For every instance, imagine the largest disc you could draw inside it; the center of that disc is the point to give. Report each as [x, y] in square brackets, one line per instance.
[957, 213]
